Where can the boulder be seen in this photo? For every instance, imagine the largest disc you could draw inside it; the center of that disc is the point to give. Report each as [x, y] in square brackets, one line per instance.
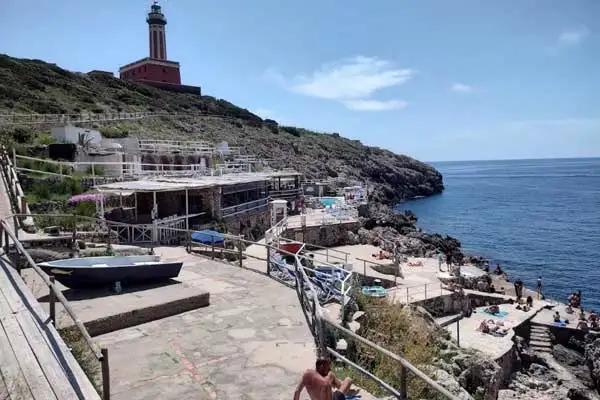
[592, 358]
[567, 356]
[482, 377]
[448, 382]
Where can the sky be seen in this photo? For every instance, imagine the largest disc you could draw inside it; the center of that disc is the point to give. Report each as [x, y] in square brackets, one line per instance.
[435, 79]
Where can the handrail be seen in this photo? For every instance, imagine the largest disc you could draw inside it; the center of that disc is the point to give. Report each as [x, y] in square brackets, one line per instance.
[58, 293]
[430, 382]
[321, 321]
[100, 354]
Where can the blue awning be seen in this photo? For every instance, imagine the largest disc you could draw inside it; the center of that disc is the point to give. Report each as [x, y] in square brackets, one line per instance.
[208, 237]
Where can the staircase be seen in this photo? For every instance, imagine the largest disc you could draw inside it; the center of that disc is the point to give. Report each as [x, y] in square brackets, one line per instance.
[539, 339]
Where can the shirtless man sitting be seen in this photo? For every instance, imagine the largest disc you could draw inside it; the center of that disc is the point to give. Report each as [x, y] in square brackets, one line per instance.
[320, 382]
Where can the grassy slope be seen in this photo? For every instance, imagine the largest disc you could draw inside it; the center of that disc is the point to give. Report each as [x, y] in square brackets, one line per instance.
[33, 86]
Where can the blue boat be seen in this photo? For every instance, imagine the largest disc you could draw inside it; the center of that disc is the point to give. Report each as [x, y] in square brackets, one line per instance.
[207, 236]
[87, 272]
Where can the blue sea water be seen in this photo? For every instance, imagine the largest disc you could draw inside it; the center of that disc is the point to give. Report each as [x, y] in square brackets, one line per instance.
[534, 217]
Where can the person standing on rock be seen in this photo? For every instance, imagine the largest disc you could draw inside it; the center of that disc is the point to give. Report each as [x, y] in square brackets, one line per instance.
[519, 289]
[539, 287]
[440, 258]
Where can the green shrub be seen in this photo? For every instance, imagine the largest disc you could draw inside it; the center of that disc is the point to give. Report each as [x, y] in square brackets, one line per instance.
[98, 170]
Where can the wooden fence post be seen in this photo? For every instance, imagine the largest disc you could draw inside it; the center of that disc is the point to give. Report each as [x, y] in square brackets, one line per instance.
[403, 383]
[105, 375]
[52, 301]
[268, 260]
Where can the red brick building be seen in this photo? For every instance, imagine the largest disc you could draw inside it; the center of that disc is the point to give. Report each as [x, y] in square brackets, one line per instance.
[157, 70]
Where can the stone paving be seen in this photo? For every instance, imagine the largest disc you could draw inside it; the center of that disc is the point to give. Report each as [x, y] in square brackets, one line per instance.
[252, 342]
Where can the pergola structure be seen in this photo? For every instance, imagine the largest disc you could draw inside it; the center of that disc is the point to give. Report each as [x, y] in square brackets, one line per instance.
[176, 201]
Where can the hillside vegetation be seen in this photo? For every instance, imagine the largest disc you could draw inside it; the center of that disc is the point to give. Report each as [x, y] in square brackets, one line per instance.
[34, 86]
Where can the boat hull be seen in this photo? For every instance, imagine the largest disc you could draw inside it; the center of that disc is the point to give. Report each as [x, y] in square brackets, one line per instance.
[80, 277]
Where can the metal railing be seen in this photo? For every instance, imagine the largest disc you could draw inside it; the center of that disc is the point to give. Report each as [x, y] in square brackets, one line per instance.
[315, 314]
[316, 320]
[244, 207]
[55, 294]
[415, 293]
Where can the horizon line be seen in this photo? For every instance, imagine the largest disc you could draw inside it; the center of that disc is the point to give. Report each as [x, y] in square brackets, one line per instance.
[518, 159]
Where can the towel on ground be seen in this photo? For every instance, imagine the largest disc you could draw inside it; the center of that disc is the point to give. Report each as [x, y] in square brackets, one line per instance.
[500, 314]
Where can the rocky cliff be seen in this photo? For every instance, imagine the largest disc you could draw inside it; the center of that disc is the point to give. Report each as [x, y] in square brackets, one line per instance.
[33, 86]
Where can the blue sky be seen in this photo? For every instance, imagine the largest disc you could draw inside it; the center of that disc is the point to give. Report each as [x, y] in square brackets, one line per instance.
[437, 80]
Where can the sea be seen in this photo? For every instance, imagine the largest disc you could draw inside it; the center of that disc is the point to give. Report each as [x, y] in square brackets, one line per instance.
[533, 217]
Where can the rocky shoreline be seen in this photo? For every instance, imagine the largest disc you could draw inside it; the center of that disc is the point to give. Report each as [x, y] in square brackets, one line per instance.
[569, 372]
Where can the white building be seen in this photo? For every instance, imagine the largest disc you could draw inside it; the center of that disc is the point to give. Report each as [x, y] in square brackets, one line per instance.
[71, 134]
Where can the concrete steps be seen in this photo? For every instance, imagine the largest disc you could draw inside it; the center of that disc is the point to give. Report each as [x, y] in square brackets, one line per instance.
[539, 339]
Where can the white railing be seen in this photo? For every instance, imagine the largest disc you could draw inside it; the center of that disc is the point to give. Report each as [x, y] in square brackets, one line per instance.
[132, 170]
[27, 119]
[416, 293]
[244, 207]
[195, 147]
[273, 233]
[285, 192]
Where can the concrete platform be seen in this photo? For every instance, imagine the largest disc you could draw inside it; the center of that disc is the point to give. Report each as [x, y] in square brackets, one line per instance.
[251, 343]
[494, 346]
[103, 311]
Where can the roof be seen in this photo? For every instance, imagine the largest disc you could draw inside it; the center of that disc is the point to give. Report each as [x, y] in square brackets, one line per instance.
[165, 184]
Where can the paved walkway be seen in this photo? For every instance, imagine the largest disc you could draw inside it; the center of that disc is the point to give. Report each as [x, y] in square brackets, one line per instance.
[252, 342]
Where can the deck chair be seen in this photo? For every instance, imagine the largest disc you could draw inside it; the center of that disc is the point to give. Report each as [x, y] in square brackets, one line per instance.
[281, 270]
[326, 290]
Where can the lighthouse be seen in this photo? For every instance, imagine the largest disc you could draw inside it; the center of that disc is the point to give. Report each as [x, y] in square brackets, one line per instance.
[155, 69]
[157, 36]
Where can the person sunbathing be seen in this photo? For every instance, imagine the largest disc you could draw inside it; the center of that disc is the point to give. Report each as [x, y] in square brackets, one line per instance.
[583, 325]
[415, 264]
[493, 309]
[382, 255]
[320, 382]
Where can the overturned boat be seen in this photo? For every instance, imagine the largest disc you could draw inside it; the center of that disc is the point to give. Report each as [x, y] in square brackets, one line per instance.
[77, 273]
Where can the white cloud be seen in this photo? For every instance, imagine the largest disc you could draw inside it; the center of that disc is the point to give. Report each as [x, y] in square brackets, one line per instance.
[351, 82]
[572, 37]
[461, 88]
[374, 105]
[354, 78]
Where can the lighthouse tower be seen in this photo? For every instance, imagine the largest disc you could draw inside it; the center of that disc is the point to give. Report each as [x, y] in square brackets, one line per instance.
[156, 29]
[156, 69]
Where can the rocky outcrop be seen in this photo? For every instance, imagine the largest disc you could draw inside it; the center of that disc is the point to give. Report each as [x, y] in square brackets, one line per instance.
[556, 377]
[470, 371]
[592, 358]
[384, 227]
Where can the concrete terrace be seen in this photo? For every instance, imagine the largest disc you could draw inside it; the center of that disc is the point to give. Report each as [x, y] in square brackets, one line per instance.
[251, 342]
[320, 217]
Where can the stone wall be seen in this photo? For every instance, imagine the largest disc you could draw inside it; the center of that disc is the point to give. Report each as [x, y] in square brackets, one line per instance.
[252, 224]
[324, 235]
[454, 303]
[140, 316]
